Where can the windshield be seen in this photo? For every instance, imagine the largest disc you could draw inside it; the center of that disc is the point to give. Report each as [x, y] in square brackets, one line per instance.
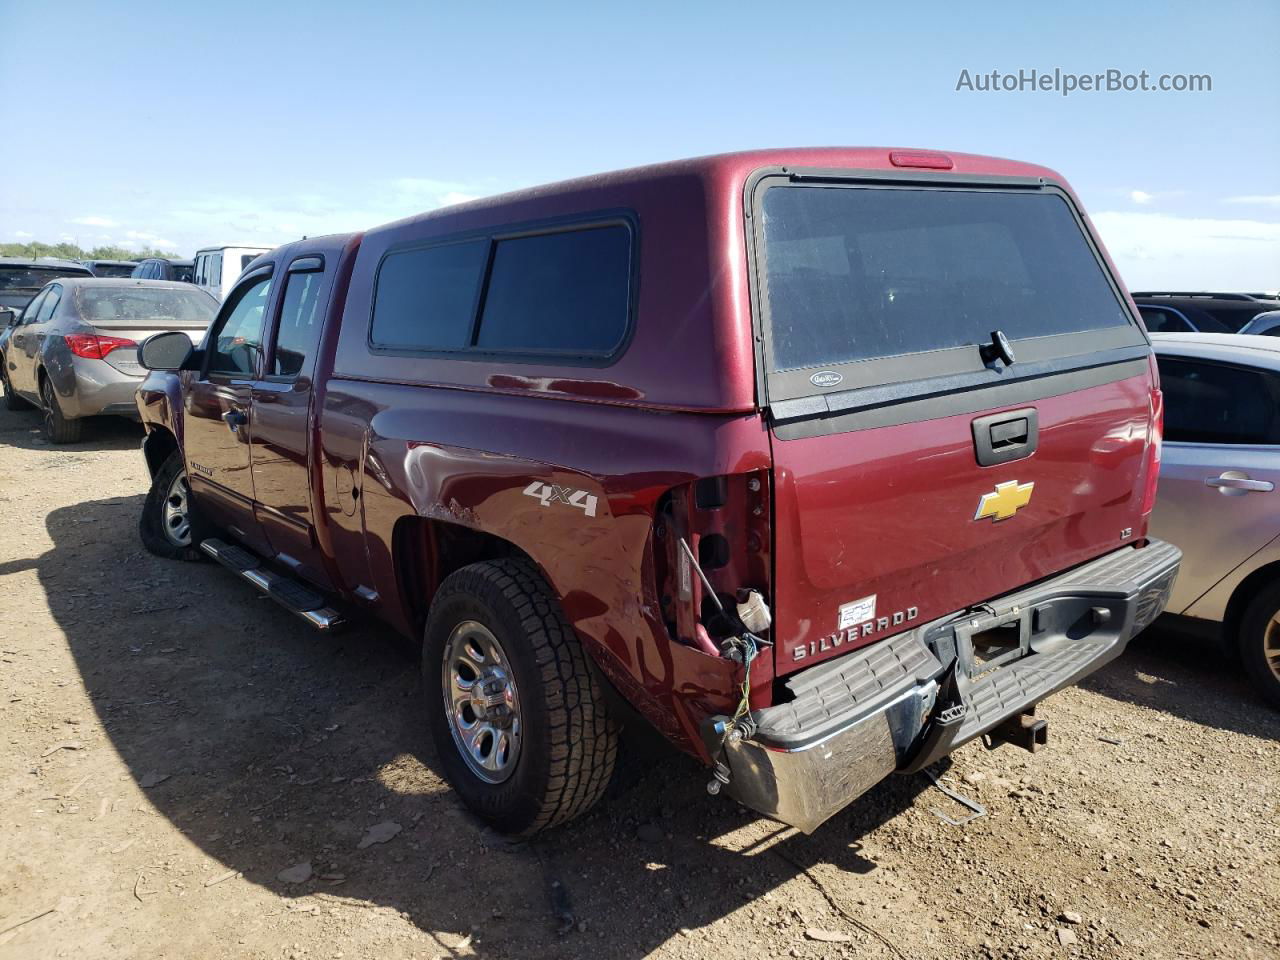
[33, 278]
[855, 273]
[107, 304]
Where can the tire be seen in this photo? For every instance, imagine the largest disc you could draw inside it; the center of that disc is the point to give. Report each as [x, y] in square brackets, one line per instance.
[561, 745]
[160, 533]
[1259, 643]
[11, 400]
[57, 428]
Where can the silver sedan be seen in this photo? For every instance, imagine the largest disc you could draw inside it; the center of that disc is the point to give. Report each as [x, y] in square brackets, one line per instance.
[73, 351]
[1219, 495]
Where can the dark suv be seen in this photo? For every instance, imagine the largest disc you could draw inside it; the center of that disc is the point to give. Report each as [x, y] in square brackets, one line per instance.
[1199, 312]
[155, 268]
[821, 462]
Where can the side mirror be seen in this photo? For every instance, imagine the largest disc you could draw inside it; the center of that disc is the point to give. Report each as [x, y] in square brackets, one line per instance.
[8, 317]
[165, 351]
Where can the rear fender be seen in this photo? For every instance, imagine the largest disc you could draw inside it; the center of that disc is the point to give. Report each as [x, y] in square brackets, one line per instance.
[593, 540]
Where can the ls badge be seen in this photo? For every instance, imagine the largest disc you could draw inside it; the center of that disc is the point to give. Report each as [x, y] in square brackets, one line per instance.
[1007, 500]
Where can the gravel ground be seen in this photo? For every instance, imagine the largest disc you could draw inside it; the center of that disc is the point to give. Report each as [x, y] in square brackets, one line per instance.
[190, 772]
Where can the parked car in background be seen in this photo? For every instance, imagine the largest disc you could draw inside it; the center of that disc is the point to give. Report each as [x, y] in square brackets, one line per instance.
[825, 462]
[1220, 489]
[1263, 325]
[111, 268]
[73, 352]
[1199, 312]
[21, 278]
[218, 268]
[155, 268]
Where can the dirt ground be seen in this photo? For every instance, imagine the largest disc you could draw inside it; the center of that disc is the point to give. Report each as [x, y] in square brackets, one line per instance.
[191, 772]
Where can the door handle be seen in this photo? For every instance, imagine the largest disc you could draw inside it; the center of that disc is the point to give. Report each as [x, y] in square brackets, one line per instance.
[1233, 480]
[235, 419]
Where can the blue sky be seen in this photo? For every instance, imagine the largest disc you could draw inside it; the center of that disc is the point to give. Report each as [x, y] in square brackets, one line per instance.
[197, 124]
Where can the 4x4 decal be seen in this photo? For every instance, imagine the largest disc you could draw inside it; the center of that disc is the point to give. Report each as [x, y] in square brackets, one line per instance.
[549, 493]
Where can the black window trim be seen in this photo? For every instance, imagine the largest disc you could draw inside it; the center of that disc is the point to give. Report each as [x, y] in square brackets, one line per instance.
[493, 235]
[789, 395]
[302, 263]
[229, 304]
[1230, 365]
[56, 290]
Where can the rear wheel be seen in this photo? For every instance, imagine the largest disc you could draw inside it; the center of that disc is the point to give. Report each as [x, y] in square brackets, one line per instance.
[517, 718]
[1259, 643]
[57, 428]
[11, 400]
[168, 525]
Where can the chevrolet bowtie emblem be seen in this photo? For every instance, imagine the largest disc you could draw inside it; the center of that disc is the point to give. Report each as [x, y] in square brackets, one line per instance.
[1007, 500]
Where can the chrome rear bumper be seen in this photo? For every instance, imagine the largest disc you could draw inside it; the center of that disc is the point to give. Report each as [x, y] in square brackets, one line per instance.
[907, 701]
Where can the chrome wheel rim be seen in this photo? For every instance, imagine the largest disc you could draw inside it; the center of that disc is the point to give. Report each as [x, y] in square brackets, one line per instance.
[481, 701]
[176, 519]
[1271, 646]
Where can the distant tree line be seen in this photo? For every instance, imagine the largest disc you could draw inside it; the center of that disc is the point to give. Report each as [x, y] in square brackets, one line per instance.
[69, 251]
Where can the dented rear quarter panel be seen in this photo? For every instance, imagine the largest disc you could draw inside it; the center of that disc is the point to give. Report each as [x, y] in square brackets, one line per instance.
[468, 458]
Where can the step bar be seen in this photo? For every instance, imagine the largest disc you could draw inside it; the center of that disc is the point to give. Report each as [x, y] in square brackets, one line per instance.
[296, 597]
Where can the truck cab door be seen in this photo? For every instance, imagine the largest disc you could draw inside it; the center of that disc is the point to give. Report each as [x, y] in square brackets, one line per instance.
[217, 437]
[282, 416]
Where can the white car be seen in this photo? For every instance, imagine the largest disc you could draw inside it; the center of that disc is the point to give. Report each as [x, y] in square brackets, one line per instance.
[1219, 494]
[218, 268]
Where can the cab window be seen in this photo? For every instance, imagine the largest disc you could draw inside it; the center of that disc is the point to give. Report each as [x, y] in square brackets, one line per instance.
[237, 343]
[300, 319]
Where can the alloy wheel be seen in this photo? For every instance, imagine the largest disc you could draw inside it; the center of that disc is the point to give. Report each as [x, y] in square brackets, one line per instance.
[1271, 646]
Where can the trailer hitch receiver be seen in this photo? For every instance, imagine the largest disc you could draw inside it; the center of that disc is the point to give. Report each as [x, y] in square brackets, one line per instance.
[1022, 730]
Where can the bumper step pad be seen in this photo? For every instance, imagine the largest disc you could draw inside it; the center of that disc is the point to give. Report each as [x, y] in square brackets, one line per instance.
[289, 593]
[907, 701]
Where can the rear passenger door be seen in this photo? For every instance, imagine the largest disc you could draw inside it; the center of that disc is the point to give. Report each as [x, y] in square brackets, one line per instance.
[281, 415]
[1220, 468]
[217, 440]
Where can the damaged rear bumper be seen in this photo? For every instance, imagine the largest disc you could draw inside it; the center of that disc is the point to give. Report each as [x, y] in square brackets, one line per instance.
[901, 704]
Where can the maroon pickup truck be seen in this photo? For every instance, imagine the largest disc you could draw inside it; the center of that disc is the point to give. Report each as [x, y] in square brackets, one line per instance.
[821, 462]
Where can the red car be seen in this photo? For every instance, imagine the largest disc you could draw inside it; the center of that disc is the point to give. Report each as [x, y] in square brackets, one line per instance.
[821, 462]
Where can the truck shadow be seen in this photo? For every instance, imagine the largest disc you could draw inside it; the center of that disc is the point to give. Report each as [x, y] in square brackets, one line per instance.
[1188, 675]
[269, 746]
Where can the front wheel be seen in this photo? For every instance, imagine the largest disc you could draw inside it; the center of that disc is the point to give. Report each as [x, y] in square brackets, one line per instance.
[517, 717]
[1259, 643]
[168, 514]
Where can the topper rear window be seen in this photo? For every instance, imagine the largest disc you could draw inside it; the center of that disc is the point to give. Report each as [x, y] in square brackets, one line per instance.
[855, 273]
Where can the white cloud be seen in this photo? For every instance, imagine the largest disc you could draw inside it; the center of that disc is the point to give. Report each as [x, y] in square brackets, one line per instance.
[207, 219]
[453, 196]
[1257, 199]
[1154, 250]
[1141, 196]
[23, 234]
[94, 222]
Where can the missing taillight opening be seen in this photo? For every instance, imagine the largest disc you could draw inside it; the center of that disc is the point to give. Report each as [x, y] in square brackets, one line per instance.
[1155, 440]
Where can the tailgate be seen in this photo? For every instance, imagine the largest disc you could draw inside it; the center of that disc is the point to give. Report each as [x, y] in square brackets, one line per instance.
[960, 400]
